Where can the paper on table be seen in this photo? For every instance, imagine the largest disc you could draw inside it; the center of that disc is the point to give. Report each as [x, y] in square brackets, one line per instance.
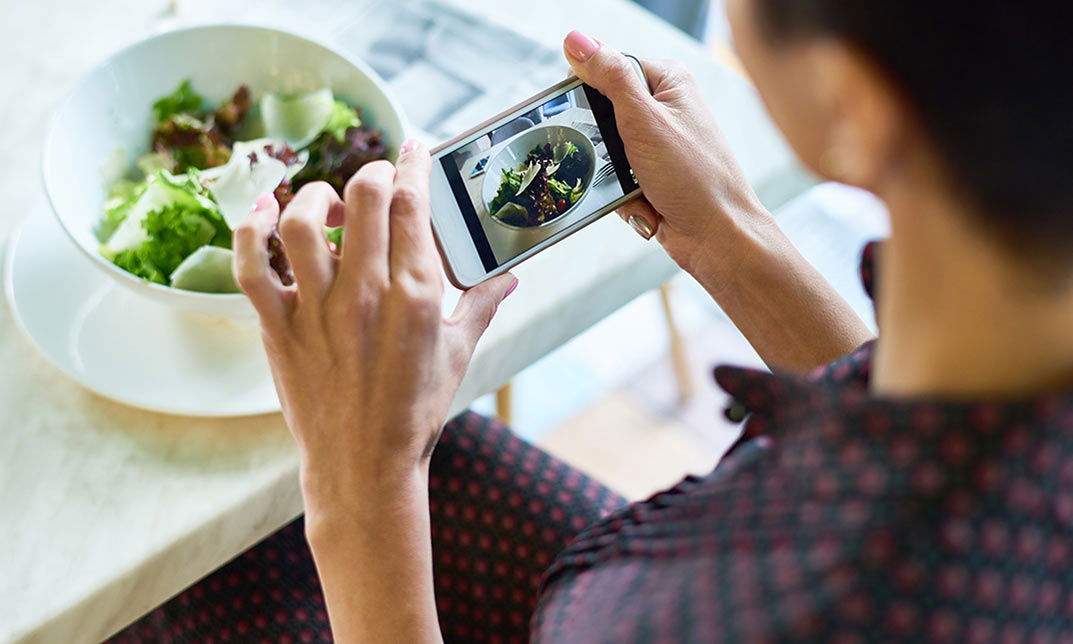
[434, 56]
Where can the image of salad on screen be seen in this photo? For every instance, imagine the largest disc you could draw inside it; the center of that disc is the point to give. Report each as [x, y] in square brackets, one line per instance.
[170, 221]
[546, 185]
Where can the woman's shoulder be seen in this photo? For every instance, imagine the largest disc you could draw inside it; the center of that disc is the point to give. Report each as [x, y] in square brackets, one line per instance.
[837, 498]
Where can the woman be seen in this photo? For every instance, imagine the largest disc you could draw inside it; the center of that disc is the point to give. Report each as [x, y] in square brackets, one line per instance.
[917, 488]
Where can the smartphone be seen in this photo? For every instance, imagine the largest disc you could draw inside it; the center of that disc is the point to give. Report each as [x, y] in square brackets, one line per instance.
[527, 178]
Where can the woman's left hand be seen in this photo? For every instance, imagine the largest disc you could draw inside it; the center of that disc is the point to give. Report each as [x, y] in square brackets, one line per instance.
[364, 363]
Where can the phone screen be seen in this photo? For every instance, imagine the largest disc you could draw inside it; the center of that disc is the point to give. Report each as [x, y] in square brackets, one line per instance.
[539, 174]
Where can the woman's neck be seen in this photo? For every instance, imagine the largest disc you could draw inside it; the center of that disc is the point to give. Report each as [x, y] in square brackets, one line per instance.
[959, 317]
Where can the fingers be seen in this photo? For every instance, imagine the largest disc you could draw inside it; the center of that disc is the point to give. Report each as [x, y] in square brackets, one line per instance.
[302, 230]
[251, 263]
[475, 310]
[365, 238]
[666, 76]
[605, 69]
[641, 216]
[413, 249]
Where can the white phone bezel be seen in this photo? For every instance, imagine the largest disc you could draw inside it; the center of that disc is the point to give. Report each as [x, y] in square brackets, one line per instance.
[461, 261]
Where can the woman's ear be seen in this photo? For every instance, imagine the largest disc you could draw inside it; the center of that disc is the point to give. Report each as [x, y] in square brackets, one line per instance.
[839, 112]
[864, 122]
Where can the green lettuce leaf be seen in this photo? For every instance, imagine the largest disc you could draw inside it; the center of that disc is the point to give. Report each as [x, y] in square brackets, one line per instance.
[342, 118]
[563, 150]
[576, 193]
[183, 100]
[508, 189]
[165, 219]
[122, 196]
[334, 234]
[560, 189]
[174, 232]
[191, 184]
[563, 190]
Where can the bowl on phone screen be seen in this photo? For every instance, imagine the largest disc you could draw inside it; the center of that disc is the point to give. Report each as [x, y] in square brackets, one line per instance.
[538, 176]
[108, 116]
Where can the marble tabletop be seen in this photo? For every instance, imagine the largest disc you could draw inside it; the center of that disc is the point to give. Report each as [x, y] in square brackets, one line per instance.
[108, 510]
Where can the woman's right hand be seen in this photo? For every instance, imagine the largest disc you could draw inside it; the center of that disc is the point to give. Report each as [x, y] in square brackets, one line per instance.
[697, 202]
[703, 211]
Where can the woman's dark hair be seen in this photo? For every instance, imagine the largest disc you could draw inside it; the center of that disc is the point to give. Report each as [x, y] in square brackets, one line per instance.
[991, 81]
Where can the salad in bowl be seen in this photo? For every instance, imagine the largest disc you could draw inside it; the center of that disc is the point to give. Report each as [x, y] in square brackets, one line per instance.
[552, 174]
[171, 224]
[161, 151]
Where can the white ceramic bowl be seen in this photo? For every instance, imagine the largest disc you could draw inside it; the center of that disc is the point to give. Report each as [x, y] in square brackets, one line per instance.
[110, 111]
[514, 153]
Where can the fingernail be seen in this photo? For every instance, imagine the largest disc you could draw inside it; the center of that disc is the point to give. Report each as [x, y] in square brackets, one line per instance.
[510, 289]
[407, 145]
[640, 226]
[264, 201]
[580, 47]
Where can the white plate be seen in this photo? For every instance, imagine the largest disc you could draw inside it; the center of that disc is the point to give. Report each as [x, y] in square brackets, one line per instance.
[127, 347]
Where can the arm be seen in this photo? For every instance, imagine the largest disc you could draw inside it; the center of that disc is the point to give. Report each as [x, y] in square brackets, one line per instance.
[372, 547]
[366, 369]
[700, 207]
[789, 313]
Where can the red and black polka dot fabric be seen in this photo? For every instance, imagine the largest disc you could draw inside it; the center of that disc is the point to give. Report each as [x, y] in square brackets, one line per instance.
[501, 510]
[852, 519]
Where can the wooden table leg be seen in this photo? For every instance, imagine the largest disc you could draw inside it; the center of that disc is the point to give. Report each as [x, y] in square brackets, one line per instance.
[679, 359]
[503, 403]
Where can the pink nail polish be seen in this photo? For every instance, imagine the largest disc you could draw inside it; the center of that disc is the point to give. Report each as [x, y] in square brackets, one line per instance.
[580, 46]
[510, 289]
[407, 145]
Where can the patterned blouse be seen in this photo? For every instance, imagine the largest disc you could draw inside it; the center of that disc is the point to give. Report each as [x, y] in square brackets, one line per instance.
[840, 517]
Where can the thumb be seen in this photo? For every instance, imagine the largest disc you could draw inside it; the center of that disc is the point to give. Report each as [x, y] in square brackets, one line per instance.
[603, 68]
[476, 308]
[641, 216]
